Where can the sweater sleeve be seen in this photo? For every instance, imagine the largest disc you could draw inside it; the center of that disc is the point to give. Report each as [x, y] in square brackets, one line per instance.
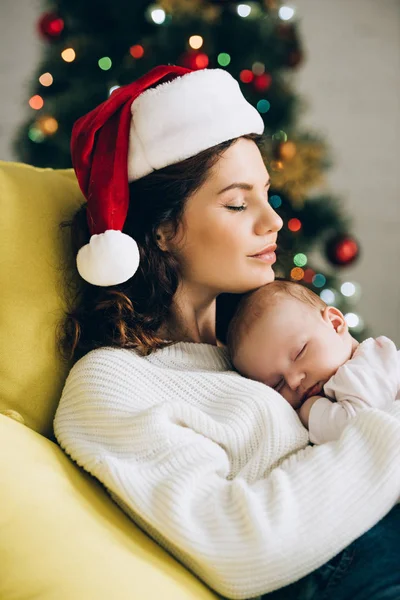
[242, 539]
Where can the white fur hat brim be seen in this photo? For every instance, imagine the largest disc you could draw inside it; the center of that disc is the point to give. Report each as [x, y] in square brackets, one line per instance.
[180, 118]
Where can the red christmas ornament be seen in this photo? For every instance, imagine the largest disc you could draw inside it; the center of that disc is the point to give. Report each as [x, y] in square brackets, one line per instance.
[262, 82]
[50, 26]
[342, 250]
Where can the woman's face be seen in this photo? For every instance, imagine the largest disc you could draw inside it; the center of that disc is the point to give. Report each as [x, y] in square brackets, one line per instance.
[221, 231]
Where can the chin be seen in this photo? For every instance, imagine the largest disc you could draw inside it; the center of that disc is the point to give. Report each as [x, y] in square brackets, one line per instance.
[267, 277]
[261, 284]
[245, 284]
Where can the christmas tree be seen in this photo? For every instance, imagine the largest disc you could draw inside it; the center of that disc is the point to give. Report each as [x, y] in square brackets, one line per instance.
[92, 47]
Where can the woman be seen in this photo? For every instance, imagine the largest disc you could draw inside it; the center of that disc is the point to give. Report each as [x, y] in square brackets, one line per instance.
[217, 468]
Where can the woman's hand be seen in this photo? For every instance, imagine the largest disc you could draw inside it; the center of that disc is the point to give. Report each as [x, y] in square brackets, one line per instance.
[304, 410]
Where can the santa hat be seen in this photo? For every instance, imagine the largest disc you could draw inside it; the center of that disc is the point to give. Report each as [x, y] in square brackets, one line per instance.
[169, 114]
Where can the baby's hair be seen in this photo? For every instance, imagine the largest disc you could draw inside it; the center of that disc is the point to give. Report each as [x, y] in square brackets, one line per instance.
[254, 303]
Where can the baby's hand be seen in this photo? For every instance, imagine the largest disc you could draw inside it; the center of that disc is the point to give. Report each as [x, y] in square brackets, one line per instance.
[304, 410]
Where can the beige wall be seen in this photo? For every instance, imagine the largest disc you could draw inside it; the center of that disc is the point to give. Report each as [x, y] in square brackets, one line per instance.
[351, 81]
[20, 51]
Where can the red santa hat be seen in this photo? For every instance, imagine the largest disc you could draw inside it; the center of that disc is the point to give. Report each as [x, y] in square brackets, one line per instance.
[169, 114]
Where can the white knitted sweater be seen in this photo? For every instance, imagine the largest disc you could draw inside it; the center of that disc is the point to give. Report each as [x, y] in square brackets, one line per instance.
[218, 469]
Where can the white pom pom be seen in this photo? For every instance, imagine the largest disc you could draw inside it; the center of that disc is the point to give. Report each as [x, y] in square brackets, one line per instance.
[109, 258]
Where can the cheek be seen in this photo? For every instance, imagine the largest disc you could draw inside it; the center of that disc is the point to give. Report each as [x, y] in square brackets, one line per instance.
[215, 245]
[224, 236]
[331, 353]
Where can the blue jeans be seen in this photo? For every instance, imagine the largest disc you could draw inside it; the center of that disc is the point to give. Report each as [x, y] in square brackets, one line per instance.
[368, 569]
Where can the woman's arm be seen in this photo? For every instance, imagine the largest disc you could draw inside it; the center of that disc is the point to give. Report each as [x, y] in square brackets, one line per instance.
[242, 539]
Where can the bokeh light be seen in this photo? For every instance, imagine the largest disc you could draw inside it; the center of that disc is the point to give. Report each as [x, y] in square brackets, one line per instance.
[348, 289]
[286, 13]
[258, 68]
[243, 10]
[201, 61]
[276, 165]
[48, 125]
[246, 76]
[157, 15]
[36, 102]
[196, 42]
[300, 260]
[105, 63]
[328, 296]
[355, 322]
[294, 225]
[35, 135]
[275, 201]
[309, 275]
[223, 59]
[263, 106]
[46, 79]
[136, 51]
[297, 274]
[68, 55]
[280, 136]
[319, 280]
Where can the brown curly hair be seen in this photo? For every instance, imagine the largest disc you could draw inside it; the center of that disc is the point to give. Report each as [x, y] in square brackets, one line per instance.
[129, 315]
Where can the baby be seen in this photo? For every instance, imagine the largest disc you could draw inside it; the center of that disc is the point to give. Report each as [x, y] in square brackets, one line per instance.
[285, 336]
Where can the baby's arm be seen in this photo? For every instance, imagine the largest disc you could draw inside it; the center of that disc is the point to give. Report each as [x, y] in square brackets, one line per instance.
[368, 380]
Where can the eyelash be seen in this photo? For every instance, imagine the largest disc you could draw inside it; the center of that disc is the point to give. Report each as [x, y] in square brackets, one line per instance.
[242, 207]
[237, 208]
[301, 352]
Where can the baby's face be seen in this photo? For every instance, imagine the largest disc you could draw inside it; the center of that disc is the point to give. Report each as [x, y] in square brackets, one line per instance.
[295, 349]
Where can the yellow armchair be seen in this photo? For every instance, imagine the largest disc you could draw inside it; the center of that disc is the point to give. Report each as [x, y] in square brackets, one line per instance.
[61, 536]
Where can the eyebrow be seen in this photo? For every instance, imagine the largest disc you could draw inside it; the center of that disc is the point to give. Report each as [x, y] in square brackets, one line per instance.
[241, 186]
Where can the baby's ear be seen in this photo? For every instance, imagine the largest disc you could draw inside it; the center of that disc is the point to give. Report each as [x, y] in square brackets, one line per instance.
[332, 315]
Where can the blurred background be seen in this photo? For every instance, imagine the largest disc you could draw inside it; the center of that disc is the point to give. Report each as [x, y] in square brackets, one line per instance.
[324, 74]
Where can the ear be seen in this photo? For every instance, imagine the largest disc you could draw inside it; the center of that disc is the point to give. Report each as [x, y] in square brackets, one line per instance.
[335, 318]
[162, 237]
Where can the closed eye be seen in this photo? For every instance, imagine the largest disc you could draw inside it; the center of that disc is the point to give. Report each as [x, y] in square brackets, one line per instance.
[237, 208]
[301, 351]
[280, 382]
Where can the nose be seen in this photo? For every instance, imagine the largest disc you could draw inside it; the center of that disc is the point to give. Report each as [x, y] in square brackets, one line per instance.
[294, 379]
[268, 220]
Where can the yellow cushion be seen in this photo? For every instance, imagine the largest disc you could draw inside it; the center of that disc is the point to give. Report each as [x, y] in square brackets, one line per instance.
[62, 537]
[33, 202]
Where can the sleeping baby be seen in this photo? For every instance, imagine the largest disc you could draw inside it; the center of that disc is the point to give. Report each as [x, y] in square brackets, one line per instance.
[286, 337]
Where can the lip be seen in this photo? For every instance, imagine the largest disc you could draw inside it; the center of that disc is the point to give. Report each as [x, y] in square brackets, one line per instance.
[267, 250]
[312, 391]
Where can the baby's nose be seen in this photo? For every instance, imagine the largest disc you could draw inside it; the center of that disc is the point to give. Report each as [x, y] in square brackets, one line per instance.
[294, 380]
